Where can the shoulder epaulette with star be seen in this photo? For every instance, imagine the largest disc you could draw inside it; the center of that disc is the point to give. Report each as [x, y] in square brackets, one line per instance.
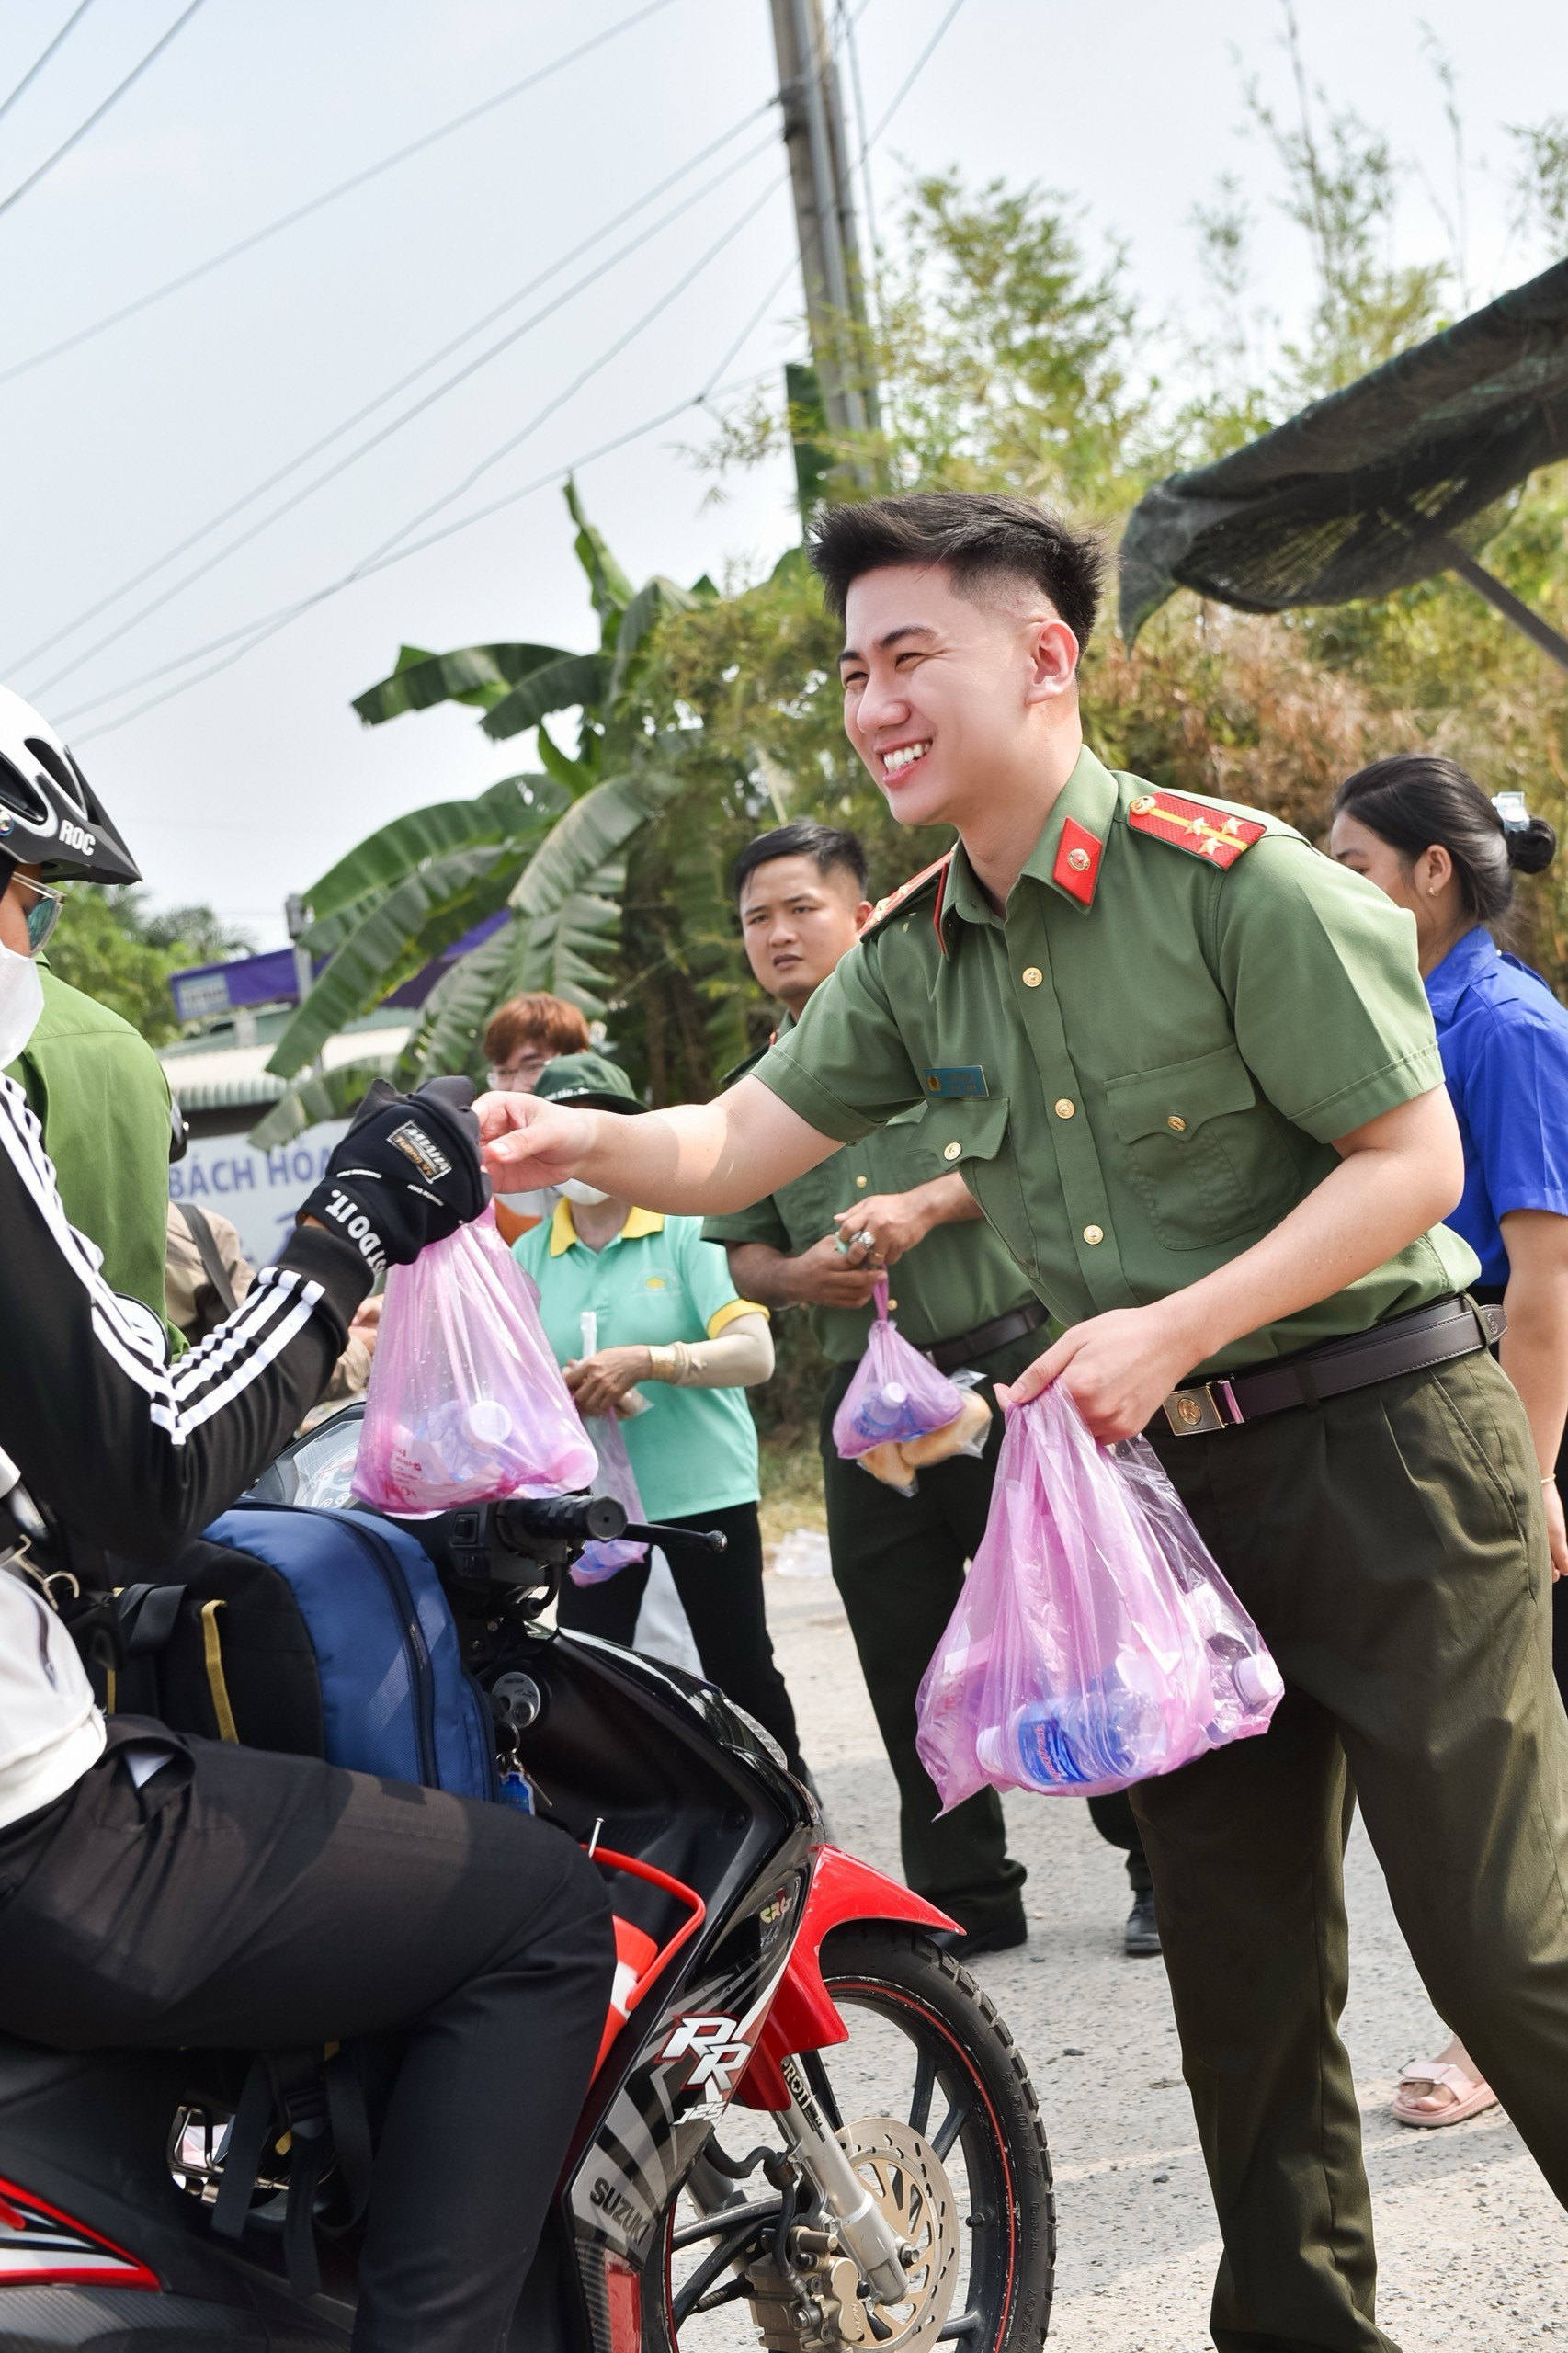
[1200, 827]
[933, 876]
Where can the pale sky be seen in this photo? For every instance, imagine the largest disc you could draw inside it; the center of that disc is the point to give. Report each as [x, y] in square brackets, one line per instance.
[250, 784]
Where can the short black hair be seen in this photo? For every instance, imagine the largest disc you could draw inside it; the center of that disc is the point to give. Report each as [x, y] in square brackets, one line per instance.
[980, 537]
[1414, 800]
[828, 846]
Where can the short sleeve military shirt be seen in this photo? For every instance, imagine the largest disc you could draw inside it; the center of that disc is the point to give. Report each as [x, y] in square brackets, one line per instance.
[960, 1278]
[1166, 1037]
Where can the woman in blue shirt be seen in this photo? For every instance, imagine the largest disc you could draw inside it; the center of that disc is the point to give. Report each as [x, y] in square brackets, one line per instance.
[1422, 830]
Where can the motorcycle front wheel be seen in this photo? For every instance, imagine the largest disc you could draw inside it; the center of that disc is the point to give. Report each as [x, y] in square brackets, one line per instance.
[935, 2110]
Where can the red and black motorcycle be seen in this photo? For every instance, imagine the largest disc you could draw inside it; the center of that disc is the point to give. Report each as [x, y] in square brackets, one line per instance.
[808, 2130]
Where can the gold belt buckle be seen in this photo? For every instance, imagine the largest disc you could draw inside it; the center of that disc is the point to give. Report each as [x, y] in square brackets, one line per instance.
[1192, 1412]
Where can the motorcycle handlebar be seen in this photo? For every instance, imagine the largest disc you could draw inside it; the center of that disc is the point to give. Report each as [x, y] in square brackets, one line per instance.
[588, 1519]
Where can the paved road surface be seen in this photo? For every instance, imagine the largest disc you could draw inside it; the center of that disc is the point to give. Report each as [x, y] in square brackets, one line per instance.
[1474, 2249]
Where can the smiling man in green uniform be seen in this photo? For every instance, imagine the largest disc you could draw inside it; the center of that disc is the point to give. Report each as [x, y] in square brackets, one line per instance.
[1214, 1135]
[888, 1200]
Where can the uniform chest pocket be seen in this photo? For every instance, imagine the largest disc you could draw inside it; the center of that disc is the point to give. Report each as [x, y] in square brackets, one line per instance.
[1205, 1154]
[970, 1139]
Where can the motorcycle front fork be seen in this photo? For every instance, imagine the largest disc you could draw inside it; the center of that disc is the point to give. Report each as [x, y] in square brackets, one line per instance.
[860, 2227]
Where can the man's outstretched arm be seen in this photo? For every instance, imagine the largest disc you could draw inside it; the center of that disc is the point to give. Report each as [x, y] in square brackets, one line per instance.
[700, 1158]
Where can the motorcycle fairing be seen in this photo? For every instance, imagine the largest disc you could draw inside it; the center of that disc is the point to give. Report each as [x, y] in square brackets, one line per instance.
[41, 2246]
[804, 2015]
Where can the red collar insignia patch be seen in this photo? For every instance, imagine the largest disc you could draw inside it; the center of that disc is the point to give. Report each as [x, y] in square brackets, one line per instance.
[1077, 867]
[1196, 826]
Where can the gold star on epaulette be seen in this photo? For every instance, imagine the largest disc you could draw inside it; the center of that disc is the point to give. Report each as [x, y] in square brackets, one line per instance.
[1196, 826]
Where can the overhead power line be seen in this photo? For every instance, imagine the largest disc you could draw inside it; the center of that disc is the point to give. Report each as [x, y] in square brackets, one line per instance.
[329, 195]
[36, 68]
[395, 425]
[234, 644]
[392, 551]
[99, 112]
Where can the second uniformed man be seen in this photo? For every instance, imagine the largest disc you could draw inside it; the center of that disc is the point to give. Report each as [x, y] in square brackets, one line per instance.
[1214, 1135]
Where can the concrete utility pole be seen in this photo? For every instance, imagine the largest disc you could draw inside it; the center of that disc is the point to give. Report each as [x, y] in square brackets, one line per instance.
[824, 213]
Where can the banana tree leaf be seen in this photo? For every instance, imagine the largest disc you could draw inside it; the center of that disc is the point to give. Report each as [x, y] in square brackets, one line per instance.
[473, 674]
[561, 685]
[564, 950]
[573, 774]
[429, 909]
[608, 584]
[329, 1095]
[655, 596]
[512, 810]
[564, 893]
[455, 1012]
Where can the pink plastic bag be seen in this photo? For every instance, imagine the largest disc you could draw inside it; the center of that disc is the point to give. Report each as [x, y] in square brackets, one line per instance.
[614, 1477]
[1095, 1643]
[896, 1394]
[466, 1402]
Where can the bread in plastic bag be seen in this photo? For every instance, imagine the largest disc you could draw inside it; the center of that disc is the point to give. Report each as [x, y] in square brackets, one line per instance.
[465, 1402]
[1095, 1643]
[606, 1557]
[895, 1393]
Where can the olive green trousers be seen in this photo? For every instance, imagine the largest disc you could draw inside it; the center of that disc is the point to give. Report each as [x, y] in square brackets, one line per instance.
[1392, 1547]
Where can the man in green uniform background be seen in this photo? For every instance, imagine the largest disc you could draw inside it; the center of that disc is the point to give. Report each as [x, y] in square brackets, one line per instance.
[1213, 1132]
[99, 1093]
[890, 1201]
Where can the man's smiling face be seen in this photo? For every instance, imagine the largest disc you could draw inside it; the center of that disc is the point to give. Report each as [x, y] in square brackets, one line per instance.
[941, 691]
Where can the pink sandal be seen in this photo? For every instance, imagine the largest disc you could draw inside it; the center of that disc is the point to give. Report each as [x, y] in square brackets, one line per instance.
[1470, 2094]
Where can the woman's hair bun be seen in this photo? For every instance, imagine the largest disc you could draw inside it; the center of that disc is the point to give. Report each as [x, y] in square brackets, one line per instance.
[1533, 849]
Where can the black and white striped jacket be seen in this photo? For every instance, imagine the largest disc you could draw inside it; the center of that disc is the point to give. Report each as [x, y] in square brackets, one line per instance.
[123, 1452]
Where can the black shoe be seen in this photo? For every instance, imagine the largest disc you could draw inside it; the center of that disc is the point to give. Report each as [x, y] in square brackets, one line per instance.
[1142, 1938]
[965, 1944]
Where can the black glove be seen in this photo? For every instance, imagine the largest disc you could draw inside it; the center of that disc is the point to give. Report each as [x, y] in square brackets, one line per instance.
[406, 1174]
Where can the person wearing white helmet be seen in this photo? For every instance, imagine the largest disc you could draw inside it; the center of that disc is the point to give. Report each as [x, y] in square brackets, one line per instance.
[278, 1903]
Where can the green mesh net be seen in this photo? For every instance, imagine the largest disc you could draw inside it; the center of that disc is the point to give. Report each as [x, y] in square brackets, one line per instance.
[1374, 487]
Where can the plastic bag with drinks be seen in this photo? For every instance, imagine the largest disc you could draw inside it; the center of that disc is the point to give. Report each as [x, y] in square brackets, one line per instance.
[1096, 1641]
[465, 1402]
[900, 1412]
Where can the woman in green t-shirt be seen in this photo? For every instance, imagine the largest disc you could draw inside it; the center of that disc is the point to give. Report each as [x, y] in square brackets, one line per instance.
[668, 1321]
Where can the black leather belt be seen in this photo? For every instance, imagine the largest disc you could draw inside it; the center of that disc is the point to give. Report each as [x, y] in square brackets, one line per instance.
[964, 1346]
[1427, 1336]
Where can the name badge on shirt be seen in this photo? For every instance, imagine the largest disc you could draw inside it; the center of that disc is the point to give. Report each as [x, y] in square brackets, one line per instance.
[958, 1079]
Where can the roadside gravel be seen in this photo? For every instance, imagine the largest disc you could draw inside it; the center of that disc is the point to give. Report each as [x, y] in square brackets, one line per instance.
[1473, 2248]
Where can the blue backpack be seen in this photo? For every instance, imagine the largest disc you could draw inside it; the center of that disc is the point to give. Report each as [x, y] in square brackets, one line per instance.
[321, 1634]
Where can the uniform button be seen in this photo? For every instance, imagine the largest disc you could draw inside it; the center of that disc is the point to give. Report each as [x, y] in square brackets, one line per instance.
[1143, 806]
[1032, 976]
[860, 1180]
[1180, 1125]
[1063, 1107]
[951, 1151]
[1093, 1234]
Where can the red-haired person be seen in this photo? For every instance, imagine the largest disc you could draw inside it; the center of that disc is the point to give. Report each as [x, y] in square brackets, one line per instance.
[522, 1036]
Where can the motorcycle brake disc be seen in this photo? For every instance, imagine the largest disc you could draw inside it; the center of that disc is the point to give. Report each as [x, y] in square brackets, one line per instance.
[909, 2182]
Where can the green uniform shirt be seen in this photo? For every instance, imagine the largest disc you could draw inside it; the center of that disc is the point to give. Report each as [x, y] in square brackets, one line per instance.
[694, 1450]
[1140, 1069]
[958, 1279]
[100, 1096]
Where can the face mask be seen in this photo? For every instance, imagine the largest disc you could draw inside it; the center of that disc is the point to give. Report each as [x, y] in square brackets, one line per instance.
[21, 1003]
[588, 1197]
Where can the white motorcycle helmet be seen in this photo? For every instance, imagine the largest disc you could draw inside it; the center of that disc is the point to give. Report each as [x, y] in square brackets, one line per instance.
[49, 816]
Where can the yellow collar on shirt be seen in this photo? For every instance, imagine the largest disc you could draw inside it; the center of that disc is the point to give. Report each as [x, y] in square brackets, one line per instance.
[563, 1227]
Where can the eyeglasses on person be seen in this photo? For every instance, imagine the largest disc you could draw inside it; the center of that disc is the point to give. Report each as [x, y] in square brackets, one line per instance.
[520, 1067]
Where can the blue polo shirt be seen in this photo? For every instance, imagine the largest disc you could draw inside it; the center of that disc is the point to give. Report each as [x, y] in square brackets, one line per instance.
[1504, 1039]
[694, 1450]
